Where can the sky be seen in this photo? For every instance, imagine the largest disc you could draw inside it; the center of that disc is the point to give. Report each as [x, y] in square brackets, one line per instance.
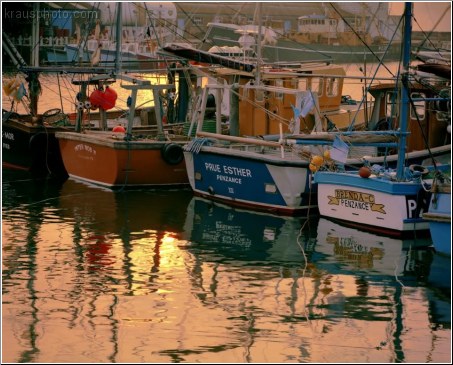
[427, 14]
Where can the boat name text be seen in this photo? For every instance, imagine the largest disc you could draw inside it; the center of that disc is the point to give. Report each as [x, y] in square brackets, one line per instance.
[228, 173]
[356, 200]
[83, 147]
[8, 135]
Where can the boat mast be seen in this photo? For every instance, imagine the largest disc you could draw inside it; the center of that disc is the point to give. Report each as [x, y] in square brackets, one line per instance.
[404, 115]
[258, 41]
[35, 37]
[119, 19]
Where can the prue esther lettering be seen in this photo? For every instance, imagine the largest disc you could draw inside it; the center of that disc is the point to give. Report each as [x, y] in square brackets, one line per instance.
[228, 173]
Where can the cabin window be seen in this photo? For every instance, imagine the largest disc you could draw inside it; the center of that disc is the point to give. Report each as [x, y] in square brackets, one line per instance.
[418, 106]
[442, 116]
[302, 84]
[332, 86]
[317, 85]
[279, 83]
[245, 92]
[259, 96]
[390, 103]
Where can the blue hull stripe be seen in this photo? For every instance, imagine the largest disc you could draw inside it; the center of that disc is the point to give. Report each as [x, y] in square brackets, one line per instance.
[238, 178]
[374, 184]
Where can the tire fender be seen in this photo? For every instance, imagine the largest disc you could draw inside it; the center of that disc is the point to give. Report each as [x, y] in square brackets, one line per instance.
[172, 153]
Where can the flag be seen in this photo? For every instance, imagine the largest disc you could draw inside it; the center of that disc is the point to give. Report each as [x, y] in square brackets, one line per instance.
[296, 112]
[20, 93]
[339, 151]
[307, 104]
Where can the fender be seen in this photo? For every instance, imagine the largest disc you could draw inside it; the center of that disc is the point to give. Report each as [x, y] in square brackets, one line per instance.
[172, 153]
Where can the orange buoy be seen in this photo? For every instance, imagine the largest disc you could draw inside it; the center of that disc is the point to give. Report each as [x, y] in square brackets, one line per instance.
[103, 99]
[364, 172]
[96, 98]
[119, 129]
[312, 167]
[109, 98]
[317, 160]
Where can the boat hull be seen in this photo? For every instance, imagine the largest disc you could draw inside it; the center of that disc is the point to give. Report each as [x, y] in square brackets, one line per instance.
[33, 148]
[106, 159]
[380, 205]
[439, 217]
[286, 50]
[263, 183]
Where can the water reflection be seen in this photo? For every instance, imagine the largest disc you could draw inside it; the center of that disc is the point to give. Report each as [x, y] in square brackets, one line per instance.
[161, 276]
[340, 282]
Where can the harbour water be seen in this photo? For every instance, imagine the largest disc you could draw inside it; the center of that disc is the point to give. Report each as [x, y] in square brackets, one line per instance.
[159, 276]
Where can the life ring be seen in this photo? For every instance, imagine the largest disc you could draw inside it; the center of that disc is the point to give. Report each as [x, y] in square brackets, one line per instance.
[418, 169]
[172, 153]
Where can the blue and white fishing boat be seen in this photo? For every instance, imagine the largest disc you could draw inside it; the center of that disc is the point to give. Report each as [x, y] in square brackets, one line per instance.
[383, 200]
[439, 213]
[250, 171]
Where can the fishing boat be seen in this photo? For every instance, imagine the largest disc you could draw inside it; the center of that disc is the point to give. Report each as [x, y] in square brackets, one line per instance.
[28, 143]
[28, 139]
[383, 200]
[439, 213]
[124, 157]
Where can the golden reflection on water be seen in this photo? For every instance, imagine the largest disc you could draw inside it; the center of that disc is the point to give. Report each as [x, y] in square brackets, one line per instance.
[146, 276]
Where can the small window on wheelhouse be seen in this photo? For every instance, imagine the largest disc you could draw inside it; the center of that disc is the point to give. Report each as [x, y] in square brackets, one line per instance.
[390, 104]
[302, 84]
[418, 108]
[317, 85]
[332, 86]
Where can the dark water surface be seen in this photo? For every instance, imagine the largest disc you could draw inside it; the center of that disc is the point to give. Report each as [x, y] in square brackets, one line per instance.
[93, 276]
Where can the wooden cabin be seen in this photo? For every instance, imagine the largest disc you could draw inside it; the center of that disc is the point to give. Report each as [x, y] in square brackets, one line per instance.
[429, 120]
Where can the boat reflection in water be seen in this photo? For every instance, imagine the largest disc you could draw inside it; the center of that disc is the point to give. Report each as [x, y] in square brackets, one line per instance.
[358, 251]
[231, 233]
[334, 284]
[128, 210]
[152, 276]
